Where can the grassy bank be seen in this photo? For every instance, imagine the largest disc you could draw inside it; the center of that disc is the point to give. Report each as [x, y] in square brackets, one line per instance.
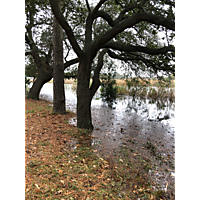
[55, 170]
[142, 91]
[121, 82]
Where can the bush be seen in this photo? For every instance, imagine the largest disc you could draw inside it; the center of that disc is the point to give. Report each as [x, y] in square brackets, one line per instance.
[108, 88]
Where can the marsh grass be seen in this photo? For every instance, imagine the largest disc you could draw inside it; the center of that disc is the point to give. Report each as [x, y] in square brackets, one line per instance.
[161, 93]
[154, 89]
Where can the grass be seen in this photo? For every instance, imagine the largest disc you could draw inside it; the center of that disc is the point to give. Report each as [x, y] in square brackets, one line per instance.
[160, 92]
[67, 81]
[53, 170]
[121, 82]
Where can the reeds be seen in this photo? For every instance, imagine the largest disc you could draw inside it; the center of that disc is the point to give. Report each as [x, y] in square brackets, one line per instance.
[142, 90]
[161, 93]
[147, 92]
[122, 90]
[152, 89]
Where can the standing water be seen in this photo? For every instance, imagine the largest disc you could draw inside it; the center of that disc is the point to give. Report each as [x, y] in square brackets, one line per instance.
[141, 125]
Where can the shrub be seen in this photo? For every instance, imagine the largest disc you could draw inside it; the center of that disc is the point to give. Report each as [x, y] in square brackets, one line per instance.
[108, 88]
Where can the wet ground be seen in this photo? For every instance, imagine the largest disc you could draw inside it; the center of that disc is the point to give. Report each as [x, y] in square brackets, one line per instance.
[142, 127]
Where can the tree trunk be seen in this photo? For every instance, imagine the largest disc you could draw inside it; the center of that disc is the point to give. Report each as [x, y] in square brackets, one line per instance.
[44, 77]
[38, 84]
[35, 89]
[85, 92]
[84, 119]
[58, 70]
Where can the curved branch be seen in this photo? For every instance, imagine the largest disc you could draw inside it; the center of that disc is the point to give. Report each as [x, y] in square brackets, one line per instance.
[34, 51]
[101, 2]
[147, 62]
[131, 48]
[130, 22]
[96, 81]
[106, 17]
[71, 62]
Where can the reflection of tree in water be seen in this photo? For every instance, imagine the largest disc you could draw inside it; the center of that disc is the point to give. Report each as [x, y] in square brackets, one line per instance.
[109, 86]
[138, 105]
[109, 92]
[159, 109]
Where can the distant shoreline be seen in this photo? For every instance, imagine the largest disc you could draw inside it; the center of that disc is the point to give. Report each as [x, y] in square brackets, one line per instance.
[118, 81]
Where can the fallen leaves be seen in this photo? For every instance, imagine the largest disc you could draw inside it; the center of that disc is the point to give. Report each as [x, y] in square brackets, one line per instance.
[55, 171]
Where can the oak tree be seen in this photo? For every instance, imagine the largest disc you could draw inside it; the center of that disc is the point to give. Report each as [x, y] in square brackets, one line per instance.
[127, 30]
[39, 46]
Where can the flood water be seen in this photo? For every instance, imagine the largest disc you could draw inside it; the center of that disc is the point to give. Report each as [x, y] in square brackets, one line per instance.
[141, 120]
[125, 109]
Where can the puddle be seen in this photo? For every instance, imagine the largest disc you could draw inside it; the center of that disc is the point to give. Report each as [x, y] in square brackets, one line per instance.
[131, 123]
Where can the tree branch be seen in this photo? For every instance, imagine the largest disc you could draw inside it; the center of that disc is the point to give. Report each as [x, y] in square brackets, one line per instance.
[131, 48]
[88, 6]
[71, 62]
[34, 51]
[117, 2]
[168, 2]
[66, 27]
[106, 17]
[101, 2]
[96, 81]
[28, 53]
[147, 62]
[130, 22]
[48, 56]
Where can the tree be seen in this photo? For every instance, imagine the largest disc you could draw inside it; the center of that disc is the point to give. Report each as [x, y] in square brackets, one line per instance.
[137, 16]
[39, 45]
[58, 70]
[41, 56]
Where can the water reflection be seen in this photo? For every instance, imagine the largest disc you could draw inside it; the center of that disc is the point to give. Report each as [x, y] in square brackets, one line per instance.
[130, 123]
[151, 109]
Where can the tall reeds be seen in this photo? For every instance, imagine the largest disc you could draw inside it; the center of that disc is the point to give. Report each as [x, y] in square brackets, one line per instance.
[144, 89]
[161, 93]
[139, 88]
